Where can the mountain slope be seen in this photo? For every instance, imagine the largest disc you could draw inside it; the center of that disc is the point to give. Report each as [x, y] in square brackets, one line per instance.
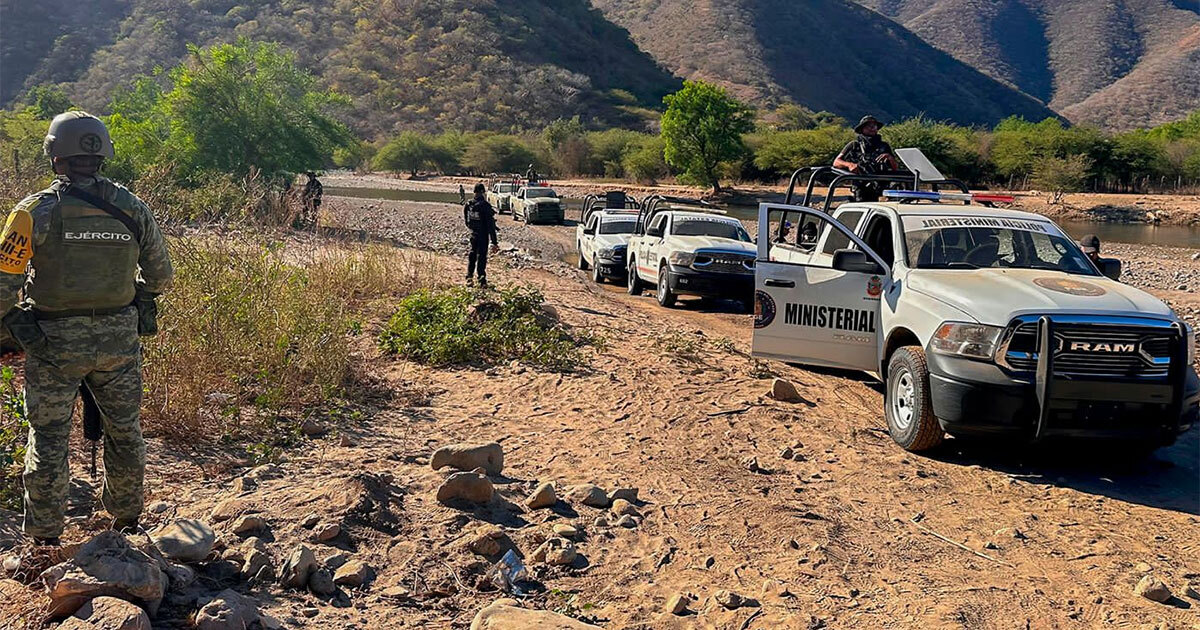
[825, 54]
[1116, 63]
[465, 64]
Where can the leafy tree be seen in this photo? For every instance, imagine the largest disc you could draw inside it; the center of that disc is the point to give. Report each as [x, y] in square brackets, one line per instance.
[244, 106]
[409, 151]
[356, 155]
[703, 127]
[48, 101]
[609, 149]
[647, 164]
[498, 154]
[792, 117]
[783, 152]
[1059, 176]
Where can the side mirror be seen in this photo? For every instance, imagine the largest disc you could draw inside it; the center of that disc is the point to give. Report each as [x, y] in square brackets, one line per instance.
[589, 231]
[655, 232]
[1110, 267]
[856, 261]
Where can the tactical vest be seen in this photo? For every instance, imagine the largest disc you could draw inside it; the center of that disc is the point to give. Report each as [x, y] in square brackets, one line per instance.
[474, 216]
[88, 261]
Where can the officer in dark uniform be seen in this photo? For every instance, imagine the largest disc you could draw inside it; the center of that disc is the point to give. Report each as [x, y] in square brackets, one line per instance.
[1090, 245]
[867, 154]
[480, 218]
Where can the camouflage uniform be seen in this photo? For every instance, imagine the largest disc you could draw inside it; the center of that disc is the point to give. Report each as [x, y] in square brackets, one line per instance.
[91, 336]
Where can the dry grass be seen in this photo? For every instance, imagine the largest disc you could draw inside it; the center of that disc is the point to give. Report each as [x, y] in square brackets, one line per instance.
[254, 331]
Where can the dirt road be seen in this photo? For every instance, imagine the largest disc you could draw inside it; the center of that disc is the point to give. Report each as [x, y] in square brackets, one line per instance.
[849, 532]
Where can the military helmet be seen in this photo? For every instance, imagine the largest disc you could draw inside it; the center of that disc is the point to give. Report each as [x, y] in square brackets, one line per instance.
[77, 133]
[866, 120]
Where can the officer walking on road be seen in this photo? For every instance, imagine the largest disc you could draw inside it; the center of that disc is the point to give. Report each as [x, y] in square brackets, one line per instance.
[480, 218]
[867, 154]
[86, 258]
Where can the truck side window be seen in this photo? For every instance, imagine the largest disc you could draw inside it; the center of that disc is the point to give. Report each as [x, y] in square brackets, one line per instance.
[878, 237]
[836, 239]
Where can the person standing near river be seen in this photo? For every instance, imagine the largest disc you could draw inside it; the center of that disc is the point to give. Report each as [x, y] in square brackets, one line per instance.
[480, 218]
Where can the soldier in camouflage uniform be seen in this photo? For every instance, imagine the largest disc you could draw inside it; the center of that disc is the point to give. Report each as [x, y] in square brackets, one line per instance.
[77, 269]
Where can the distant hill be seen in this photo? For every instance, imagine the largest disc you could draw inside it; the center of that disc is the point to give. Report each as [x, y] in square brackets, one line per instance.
[1114, 63]
[504, 64]
[464, 64]
[830, 55]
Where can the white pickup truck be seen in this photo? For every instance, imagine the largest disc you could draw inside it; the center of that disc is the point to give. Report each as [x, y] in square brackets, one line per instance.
[500, 196]
[980, 321]
[603, 241]
[684, 247]
[537, 204]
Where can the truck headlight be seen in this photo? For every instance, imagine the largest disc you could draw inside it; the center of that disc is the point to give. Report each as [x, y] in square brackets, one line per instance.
[610, 252]
[974, 341]
[682, 259]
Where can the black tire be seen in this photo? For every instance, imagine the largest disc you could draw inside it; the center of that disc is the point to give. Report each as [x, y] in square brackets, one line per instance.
[513, 213]
[597, 277]
[906, 402]
[634, 286]
[583, 263]
[662, 292]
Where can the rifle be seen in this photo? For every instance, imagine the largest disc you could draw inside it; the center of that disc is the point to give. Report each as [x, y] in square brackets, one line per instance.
[93, 427]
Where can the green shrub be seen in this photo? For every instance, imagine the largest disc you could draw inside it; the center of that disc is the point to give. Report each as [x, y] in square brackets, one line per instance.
[14, 426]
[459, 326]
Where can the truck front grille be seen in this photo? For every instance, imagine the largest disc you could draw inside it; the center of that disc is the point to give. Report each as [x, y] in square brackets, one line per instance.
[724, 262]
[1086, 349]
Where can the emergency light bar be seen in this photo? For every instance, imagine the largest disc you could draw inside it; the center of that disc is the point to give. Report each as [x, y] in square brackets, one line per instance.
[928, 195]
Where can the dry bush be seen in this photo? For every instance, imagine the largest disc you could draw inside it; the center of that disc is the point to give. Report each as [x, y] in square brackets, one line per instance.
[254, 330]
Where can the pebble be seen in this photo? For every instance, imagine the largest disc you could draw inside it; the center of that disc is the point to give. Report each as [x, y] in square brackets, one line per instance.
[1152, 589]
[555, 552]
[566, 531]
[588, 494]
[249, 524]
[321, 583]
[312, 428]
[1010, 532]
[158, 507]
[678, 604]
[628, 494]
[297, 568]
[730, 600]
[12, 563]
[543, 497]
[466, 486]
[627, 521]
[784, 391]
[242, 485]
[621, 507]
[1142, 567]
[352, 574]
[310, 521]
[328, 532]
[600, 522]
[489, 456]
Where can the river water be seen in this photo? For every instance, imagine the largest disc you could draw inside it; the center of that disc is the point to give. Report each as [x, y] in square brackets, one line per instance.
[1137, 233]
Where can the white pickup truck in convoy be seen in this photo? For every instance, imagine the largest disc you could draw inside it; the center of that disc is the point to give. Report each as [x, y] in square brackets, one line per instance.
[602, 235]
[537, 204]
[685, 247]
[500, 196]
[980, 321]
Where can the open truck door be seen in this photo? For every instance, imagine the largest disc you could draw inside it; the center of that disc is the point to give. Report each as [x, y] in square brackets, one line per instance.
[816, 305]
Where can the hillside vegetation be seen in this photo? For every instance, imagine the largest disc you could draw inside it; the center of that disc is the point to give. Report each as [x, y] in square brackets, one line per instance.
[1114, 63]
[465, 64]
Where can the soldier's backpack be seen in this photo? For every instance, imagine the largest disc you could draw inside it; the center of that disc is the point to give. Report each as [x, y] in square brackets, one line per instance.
[473, 215]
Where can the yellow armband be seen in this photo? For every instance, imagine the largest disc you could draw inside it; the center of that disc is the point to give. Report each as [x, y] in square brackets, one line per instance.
[16, 242]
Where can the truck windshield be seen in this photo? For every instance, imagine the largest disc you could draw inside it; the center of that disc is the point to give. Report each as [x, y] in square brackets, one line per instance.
[617, 227]
[539, 193]
[710, 227]
[938, 242]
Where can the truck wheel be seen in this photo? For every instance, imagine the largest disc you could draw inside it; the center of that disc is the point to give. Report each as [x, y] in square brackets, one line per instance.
[663, 290]
[634, 286]
[597, 277]
[513, 214]
[583, 263]
[906, 404]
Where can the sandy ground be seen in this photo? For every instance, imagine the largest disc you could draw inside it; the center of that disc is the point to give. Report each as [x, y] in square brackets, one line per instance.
[849, 531]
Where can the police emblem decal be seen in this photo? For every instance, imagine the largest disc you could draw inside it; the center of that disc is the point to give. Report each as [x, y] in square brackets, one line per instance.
[764, 309]
[874, 287]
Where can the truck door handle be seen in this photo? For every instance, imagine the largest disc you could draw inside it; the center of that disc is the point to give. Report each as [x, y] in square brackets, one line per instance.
[783, 284]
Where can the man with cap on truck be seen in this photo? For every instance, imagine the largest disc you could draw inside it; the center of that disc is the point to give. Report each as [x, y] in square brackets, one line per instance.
[867, 154]
[480, 218]
[1090, 244]
[86, 259]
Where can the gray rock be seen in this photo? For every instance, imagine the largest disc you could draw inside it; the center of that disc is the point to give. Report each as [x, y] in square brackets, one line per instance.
[185, 540]
[110, 613]
[1152, 589]
[228, 610]
[465, 486]
[628, 494]
[327, 532]
[105, 565]
[255, 562]
[731, 600]
[627, 521]
[335, 561]
[506, 614]
[158, 507]
[621, 507]
[297, 568]
[242, 485]
[543, 497]
[678, 604]
[321, 583]
[555, 551]
[246, 525]
[180, 576]
[588, 494]
[310, 521]
[489, 456]
[312, 428]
